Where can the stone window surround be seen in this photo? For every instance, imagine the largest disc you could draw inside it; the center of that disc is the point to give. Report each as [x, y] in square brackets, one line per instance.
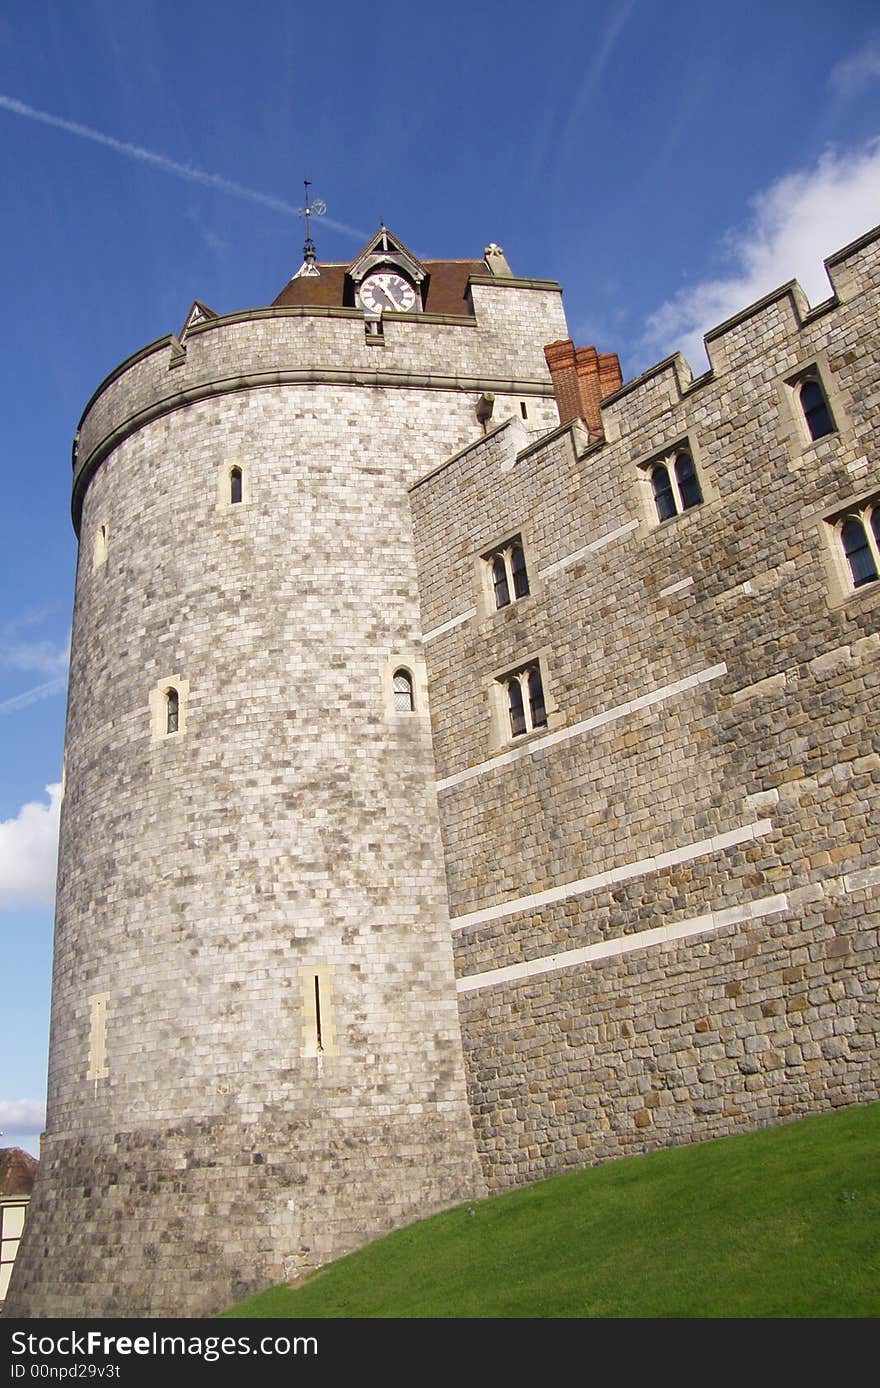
[500, 735]
[98, 1003]
[685, 443]
[158, 709]
[224, 476]
[829, 523]
[413, 664]
[323, 974]
[100, 546]
[485, 586]
[791, 414]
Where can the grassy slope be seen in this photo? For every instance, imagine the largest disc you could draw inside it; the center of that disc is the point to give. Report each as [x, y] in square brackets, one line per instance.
[781, 1222]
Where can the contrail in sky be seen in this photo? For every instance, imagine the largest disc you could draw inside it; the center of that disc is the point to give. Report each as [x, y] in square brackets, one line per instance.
[33, 696]
[161, 161]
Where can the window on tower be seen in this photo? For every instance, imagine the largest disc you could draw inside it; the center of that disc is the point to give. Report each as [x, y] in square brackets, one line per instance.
[404, 696]
[172, 711]
[99, 552]
[168, 699]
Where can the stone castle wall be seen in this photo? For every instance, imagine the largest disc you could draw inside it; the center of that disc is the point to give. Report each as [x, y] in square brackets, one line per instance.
[664, 905]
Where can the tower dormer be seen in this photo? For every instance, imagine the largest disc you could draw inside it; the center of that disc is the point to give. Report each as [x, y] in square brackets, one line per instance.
[387, 277]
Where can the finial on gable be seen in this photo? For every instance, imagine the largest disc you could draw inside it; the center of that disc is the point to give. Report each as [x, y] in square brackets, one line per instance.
[496, 260]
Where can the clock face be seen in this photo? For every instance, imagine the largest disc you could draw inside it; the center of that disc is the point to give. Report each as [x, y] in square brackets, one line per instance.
[384, 291]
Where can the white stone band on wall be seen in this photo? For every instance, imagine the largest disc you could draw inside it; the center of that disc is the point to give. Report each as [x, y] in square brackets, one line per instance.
[640, 868]
[626, 944]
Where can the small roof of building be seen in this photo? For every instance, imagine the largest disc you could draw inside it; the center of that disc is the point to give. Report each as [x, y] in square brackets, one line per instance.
[17, 1171]
[445, 287]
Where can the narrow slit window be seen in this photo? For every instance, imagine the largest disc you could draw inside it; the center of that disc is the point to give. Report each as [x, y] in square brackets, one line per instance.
[522, 409]
[815, 408]
[319, 1041]
[235, 486]
[404, 698]
[172, 710]
[99, 555]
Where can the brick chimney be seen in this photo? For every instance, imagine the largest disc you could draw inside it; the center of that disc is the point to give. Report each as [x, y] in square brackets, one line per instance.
[581, 378]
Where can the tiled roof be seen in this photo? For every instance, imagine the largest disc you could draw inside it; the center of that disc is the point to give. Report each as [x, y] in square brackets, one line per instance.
[446, 287]
[17, 1171]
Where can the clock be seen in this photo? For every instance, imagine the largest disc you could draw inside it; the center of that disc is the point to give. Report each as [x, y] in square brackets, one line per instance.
[385, 291]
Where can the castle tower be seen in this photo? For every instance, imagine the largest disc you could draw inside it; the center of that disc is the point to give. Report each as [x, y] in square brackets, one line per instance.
[256, 1060]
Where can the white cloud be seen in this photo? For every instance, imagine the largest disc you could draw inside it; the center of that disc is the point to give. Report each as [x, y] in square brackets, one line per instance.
[44, 656]
[851, 75]
[795, 223]
[22, 1116]
[28, 852]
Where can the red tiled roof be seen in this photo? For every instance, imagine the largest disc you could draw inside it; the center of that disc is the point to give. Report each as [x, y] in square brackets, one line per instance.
[324, 290]
[446, 287]
[17, 1171]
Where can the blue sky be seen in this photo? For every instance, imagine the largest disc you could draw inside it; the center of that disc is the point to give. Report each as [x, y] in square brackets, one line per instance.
[667, 163]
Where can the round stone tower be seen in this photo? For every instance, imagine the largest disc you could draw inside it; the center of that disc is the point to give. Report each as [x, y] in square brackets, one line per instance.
[255, 1058]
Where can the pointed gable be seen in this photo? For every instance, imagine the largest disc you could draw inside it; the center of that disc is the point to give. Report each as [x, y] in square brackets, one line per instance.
[199, 313]
[386, 249]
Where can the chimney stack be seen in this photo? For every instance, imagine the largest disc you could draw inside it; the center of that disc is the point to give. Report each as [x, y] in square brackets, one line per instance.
[581, 378]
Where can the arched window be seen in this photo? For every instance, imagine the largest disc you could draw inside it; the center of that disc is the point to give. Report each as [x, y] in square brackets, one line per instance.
[688, 485]
[815, 408]
[499, 581]
[518, 569]
[525, 700]
[172, 710]
[664, 497]
[235, 485]
[507, 566]
[404, 699]
[858, 550]
[675, 483]
[515, 707]
[536, 699]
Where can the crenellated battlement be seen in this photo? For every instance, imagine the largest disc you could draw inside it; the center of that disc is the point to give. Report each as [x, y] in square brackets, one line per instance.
[767, 330]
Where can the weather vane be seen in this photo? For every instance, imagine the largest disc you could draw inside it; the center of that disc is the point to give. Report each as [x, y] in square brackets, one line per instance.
[313, 208]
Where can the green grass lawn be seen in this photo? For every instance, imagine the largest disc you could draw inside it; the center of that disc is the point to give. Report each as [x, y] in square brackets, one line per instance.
[781, 1222]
